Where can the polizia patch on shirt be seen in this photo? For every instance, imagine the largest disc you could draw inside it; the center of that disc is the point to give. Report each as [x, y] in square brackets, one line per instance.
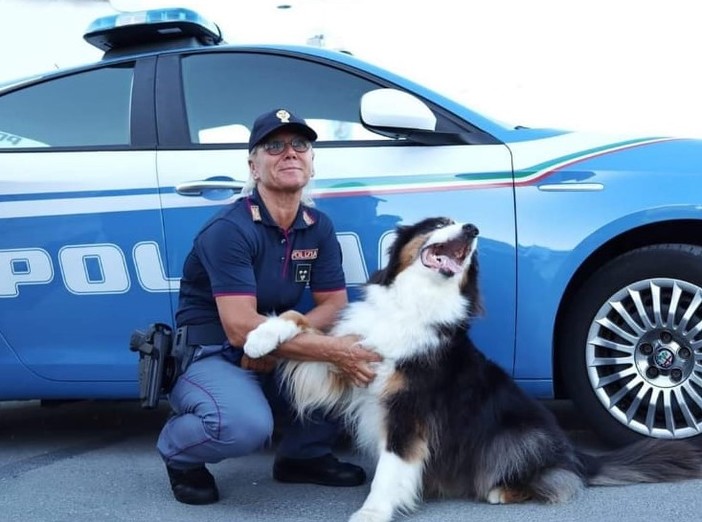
[303, 255]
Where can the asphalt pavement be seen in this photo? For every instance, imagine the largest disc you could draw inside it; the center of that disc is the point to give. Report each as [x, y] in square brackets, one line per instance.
[95, 461]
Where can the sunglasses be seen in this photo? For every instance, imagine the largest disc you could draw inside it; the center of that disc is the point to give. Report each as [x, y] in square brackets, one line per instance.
[275, 147]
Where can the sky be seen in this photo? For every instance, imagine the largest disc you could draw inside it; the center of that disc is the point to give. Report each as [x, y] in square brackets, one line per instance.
[600, 65]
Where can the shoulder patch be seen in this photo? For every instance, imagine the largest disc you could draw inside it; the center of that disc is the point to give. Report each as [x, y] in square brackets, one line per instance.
[308, 218]
[255, 212]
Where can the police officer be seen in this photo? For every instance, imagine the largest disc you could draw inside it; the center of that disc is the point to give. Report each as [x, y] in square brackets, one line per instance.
[252, 259]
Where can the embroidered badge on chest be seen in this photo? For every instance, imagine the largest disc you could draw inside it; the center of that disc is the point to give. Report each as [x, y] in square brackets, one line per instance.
[303, 255]
[302, 273]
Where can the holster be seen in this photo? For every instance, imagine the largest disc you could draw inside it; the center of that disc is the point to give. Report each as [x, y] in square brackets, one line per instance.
[157, 366]
[163, 356]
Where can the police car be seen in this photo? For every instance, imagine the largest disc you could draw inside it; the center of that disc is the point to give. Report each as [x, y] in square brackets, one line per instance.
[591, 245]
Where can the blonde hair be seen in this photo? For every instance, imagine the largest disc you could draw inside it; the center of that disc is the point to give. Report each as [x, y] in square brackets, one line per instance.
[250, 185]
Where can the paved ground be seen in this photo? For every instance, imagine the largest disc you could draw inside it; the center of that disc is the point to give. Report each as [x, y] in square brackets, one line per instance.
[96, 462]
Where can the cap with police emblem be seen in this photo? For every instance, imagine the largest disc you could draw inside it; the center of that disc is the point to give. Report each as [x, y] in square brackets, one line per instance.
[275, 120]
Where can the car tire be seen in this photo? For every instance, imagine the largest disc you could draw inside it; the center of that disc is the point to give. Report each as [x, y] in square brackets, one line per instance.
[630, 346]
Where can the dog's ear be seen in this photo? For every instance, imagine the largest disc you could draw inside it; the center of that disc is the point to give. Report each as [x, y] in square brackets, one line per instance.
[385, 276]
[471, 289]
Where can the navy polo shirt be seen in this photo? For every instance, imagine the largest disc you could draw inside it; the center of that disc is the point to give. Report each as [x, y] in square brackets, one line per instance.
[242, 251]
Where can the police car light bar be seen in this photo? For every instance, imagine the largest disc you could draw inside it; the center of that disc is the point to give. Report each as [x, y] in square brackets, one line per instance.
[149, 28]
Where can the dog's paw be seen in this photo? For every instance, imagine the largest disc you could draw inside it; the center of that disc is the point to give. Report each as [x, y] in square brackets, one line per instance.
[268, 335]
[496, 496]
[370, 515]
[503, 495]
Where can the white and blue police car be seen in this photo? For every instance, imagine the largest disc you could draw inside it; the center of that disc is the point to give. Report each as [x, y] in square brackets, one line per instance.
[591, 247]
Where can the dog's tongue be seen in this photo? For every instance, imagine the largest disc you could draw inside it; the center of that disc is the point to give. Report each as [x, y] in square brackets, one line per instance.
[448, 264]
[441, 262]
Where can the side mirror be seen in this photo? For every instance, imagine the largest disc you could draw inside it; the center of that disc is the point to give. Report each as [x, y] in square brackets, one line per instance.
[395, 113]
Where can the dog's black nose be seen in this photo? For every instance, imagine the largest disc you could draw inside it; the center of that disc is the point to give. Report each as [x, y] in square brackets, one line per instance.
[471, 230]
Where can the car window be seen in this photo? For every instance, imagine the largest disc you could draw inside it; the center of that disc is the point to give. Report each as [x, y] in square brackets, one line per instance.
[225, 92]
[81, 110]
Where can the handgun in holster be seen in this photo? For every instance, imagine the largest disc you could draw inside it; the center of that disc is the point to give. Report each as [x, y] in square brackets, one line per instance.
[157, 366]
[165, 355]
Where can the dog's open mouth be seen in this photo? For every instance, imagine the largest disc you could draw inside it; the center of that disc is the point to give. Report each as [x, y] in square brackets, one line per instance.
[446, 258]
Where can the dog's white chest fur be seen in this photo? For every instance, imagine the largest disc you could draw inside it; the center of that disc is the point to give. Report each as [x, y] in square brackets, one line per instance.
[396, 332]
[365, 414]
[401, 321]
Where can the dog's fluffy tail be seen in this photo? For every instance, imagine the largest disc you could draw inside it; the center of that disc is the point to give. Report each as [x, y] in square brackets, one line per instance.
[314, 385]
[650, 460]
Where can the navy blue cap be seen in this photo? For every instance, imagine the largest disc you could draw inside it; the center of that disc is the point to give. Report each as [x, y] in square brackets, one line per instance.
[277, 119]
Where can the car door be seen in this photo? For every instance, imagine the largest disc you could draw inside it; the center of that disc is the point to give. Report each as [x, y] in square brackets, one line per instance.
[80, 232]
[367, 183]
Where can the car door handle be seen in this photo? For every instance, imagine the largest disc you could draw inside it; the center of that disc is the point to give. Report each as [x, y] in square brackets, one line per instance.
[571, 187]
[197, 187]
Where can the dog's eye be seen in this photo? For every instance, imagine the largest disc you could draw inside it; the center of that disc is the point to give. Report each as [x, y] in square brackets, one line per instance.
[444, 223]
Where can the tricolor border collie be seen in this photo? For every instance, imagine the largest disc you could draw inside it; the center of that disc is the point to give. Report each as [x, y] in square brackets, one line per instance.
[441, 419]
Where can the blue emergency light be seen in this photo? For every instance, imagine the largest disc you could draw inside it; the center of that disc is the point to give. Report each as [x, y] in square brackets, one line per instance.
[152, 29]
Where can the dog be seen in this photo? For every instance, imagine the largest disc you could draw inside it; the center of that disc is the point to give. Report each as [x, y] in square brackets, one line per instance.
[441, 419]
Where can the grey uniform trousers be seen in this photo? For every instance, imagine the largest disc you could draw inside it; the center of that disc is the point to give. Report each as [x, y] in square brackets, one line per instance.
[221, 410]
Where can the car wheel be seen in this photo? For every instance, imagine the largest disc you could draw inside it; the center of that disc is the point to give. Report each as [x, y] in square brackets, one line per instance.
[630, 346]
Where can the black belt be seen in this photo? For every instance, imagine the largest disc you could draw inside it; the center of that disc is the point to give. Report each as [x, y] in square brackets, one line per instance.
[202, 334]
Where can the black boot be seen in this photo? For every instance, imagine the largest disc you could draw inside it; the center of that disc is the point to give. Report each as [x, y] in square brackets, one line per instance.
[326, 471]
[193, 485]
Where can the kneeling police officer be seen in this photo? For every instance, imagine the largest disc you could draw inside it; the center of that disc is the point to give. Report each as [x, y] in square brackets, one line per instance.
[253, 259]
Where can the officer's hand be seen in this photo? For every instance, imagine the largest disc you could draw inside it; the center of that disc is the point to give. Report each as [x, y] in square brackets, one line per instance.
[355, 362]
[264, 364]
